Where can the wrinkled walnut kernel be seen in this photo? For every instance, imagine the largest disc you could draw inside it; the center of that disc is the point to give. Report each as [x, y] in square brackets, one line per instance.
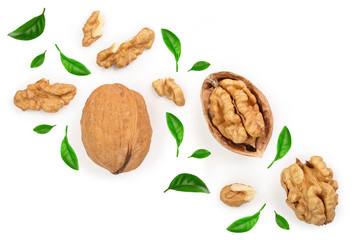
[235, 112]
[93, 28]
[170, 89]
[123, 54]
[237, 194]
[311, 190]
[42, 95]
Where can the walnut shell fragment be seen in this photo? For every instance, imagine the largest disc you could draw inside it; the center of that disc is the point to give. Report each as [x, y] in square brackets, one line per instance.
[170, 89]
[93, 28]
[123, 54]
[237, 112]
[234, 195]
[42, 95]
[311, 190]
[115, 128]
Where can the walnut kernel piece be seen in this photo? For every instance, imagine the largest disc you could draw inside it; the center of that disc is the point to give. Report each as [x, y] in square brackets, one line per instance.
[170, 89]
[42, 95]
[236, 194]
[93, 28]
[237, 112]
[125, 53]
[311, 190]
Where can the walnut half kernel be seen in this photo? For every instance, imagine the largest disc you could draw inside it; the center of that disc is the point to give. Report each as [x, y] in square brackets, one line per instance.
[170, 89]
[236, 194]
[311, 190]
[123, 54]
[42, 95]
[93, 28]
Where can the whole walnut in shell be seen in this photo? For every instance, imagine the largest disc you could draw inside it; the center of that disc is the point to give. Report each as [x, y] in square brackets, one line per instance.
[238, 114]
[115, 128]
[311, 190]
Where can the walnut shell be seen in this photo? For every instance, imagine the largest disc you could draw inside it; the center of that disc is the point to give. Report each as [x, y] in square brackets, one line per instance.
[115, 128]
[258, 145]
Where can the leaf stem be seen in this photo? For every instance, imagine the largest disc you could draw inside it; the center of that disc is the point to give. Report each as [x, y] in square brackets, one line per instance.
[177, 152]
[43, 11]
[57, 47]
[262, 207]
[166, 190]
[177, 67]
[271, 164]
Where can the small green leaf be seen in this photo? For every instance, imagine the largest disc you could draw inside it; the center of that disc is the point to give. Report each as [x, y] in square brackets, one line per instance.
[173, 44]
[283, 144]
[31, 29]
[73, 66]
[200, 153]
[176, 128]
[186, 182]
[281, 221]
[245, 224]
[68, 153]
[199, 66]
[43, 128]
[38, 60]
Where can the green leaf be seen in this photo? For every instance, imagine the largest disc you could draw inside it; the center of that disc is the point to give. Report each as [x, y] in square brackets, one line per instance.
[73, 66]
[176, 128]
[283, 144]
[200, 153]
[38, 60]
[199, 66]
[68, 153]
[43, 128]
[245, 224]
[186, 182]
[31, 29]
[173, 44]
[281, 221]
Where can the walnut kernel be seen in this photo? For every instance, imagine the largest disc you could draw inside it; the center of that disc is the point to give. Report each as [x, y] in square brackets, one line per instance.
[170, 89]
[42, 95]
[237, 194]
[125, 53]
[93, 28]
[311, 190]
[237, 112]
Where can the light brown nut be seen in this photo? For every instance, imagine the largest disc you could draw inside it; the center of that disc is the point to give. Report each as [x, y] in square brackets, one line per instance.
[123, 54]
[115, 128]
[237, 194]
[311, 190]
[170, 89]
[42, 95]
[93, 28]
[238, 114]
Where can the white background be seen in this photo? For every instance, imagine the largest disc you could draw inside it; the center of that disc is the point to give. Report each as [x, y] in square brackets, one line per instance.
[303, 55]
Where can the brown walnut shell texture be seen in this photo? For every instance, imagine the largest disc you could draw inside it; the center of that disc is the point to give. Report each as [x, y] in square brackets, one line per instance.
[213, 81]
[115, 128]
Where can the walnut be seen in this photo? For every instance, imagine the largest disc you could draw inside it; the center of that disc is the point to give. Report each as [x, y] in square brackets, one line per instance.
[42, 95]
[170, 89]
[311, 190]
[123, 54]
[93, 28]
[237, 113]
[236, 194]
[115, 128]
